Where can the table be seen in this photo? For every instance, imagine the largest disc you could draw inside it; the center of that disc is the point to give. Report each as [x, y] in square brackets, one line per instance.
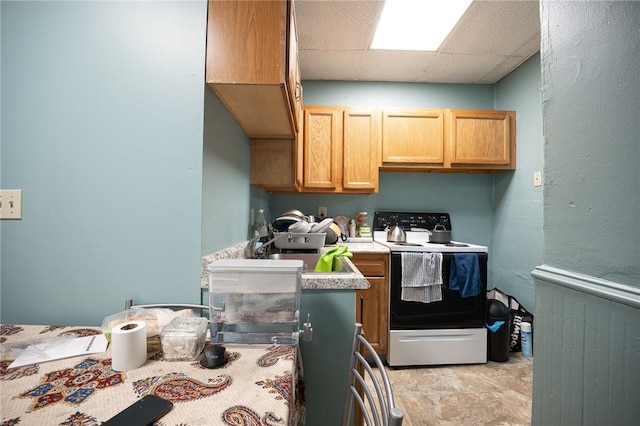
[254, 387]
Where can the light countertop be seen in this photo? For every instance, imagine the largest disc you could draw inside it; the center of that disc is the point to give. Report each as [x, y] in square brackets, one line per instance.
[326, 281]
[363, 247]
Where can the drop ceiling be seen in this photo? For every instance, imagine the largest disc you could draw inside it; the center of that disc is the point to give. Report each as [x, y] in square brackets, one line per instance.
[492, 39]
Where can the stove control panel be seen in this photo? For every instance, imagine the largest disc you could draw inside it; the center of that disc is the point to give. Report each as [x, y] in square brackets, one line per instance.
[408, 220]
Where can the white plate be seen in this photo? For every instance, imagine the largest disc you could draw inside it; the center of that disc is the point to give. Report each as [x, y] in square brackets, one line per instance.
[322, 226]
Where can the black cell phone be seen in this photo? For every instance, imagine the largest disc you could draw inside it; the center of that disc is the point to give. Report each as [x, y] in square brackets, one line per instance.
[141, 413]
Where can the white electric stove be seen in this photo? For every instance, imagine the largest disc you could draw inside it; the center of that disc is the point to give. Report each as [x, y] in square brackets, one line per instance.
[448, 331]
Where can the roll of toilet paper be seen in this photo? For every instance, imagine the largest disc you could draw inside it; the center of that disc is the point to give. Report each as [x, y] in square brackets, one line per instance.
[128, 345]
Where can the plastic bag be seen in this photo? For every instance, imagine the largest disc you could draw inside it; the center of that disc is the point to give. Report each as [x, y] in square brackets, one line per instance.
[155, 319]
[518, 314]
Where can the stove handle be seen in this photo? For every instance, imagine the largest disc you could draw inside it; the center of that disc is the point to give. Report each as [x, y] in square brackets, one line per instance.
[421, 230]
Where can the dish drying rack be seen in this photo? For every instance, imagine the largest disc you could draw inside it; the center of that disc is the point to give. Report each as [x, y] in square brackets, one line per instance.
[299, 241]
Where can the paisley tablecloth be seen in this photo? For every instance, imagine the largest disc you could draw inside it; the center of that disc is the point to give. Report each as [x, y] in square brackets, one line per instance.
[259, 385]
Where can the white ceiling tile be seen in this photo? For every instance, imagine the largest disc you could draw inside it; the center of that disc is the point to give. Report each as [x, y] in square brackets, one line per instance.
[320, 65]
[494, 28]
[503, 68]
[393, 66]
[456, 68]
[491, 40]
[336, 25]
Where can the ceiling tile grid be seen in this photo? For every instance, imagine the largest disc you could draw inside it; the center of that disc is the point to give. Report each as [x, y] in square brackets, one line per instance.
[492, 39]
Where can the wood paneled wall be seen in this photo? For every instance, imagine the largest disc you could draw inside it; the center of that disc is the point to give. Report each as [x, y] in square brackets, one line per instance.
[586, 350]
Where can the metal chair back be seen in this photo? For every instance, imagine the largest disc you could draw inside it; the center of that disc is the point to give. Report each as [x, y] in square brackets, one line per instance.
[370, 391]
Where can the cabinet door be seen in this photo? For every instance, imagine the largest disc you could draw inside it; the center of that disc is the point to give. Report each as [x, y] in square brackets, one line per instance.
[360, 149]
[368, 304]
[322, 147]
[413, 137]
[372, 305]
[482, 139]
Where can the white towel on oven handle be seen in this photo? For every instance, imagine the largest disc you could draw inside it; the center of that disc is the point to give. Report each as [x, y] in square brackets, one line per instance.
[421, 277]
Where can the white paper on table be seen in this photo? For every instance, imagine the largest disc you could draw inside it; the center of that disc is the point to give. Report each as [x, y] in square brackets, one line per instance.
[66, 348]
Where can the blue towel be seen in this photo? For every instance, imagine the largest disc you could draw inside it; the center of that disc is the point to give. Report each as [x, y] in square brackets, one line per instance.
[465, 274]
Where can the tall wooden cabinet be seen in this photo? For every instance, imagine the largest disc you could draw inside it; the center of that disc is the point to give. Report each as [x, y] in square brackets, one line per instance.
[340, 147]
[372, 304]
[252, 64]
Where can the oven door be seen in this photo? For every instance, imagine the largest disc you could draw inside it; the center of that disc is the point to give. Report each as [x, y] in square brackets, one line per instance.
[452, 311]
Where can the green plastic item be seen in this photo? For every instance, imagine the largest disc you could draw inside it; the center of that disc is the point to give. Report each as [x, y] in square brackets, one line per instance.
[330, 260]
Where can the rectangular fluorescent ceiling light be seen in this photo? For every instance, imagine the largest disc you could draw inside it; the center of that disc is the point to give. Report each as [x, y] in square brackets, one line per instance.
[417, 24]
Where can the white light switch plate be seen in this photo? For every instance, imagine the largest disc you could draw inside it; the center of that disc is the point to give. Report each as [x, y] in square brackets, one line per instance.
[537, 179]
[10, 203]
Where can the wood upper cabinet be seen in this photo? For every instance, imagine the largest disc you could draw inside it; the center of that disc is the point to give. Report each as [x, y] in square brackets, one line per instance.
[482, 139]
[322, 148]
[443, 140]
[252, 64]
[412, 138]
[372, 304]
[340, 150]
[360, 150]
[274, 164]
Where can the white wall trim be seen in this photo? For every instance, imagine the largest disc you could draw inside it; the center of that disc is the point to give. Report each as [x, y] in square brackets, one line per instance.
[620, 293]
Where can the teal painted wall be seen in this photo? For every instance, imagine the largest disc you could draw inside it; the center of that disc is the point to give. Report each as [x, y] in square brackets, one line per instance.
[591, 107]
[326, 356]
[102, 128]
[586, 338]
[225, 180]
[388, 94]
[517, 222]
[468, 198]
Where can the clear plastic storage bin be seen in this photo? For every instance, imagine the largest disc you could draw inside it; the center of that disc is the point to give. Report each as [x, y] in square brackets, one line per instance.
[255, 300]
[183, 338]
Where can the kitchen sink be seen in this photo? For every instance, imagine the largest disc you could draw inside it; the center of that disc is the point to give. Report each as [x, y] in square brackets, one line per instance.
[310, 260]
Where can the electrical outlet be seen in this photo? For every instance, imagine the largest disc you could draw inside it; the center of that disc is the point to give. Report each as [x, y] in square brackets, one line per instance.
[537, 179]
[10, 203]
[322, 212]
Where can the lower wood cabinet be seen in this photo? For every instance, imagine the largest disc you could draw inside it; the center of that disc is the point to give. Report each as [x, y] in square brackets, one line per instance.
[372, 305]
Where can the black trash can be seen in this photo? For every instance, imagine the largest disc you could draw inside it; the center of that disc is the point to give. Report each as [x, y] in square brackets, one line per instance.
[498, 339]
